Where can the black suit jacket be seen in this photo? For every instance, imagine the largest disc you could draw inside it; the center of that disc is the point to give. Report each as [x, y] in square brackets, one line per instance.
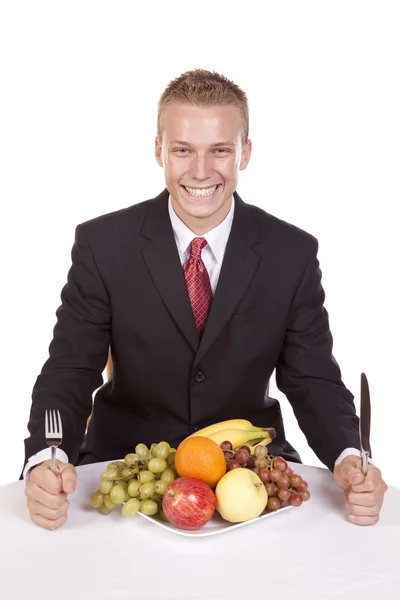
[126, 288]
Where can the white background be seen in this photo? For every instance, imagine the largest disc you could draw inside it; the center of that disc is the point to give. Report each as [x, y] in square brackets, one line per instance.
[80, 83]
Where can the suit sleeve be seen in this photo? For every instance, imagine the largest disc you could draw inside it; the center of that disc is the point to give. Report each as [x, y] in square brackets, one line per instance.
[77, 354]
[309, 376]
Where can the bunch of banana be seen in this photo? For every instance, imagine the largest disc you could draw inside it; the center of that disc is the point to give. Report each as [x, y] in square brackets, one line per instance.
[239, 432]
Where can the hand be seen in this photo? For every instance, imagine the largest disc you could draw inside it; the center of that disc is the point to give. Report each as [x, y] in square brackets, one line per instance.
[47, 493]
[364, 494]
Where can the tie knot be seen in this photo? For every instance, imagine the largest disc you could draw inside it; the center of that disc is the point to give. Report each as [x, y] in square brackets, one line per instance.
[196, 246]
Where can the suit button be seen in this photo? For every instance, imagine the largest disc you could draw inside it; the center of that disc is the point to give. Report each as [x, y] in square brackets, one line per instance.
[199, 377]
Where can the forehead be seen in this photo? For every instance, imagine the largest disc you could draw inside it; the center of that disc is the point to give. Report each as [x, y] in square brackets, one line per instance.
[199, 124]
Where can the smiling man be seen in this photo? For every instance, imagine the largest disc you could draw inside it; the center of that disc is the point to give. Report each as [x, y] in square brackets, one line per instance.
[202, 150]
[200, 297]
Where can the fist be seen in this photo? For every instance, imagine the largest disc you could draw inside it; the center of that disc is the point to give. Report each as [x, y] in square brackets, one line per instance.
[47, 494]
[364, 494]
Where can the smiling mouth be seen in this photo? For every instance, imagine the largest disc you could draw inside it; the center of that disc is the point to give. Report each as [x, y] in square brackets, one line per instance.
[201, 192]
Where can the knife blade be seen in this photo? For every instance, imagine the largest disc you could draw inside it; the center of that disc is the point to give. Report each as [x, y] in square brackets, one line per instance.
[365, 424]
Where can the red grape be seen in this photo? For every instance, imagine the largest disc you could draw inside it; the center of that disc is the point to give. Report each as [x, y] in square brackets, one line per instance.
[226, 445]
[245, 448]
[250, 463]
[295, 499]
[232, 464]
[228, 455]
[283, 482]
[295, 480]
[273, 503]
[284, 494]
[284, 503]
[242, 456]
[264, 475]
[271, 489]
[255, 470]
[280, 463]
[303, 485]
[305, 494]
[288, 472]
[275, 475]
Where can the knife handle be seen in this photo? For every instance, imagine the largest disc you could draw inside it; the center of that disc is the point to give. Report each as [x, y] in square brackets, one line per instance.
[364, 462]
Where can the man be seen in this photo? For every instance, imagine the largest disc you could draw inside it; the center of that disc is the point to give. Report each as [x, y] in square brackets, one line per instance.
[135, 284]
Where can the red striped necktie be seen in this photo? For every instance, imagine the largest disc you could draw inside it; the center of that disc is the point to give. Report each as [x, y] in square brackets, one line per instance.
[198, 283]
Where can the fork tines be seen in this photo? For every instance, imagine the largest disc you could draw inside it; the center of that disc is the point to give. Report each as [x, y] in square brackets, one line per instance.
[53, 423]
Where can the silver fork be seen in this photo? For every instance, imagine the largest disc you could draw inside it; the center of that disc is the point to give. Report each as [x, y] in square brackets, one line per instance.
[53, 433]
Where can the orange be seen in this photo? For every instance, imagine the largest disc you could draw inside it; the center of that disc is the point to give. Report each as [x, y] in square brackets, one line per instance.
[201, 458]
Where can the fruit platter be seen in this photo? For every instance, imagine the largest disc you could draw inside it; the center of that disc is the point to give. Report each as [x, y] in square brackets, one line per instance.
[218, 478]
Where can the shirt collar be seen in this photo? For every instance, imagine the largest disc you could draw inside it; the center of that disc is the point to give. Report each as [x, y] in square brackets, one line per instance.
[217, 238]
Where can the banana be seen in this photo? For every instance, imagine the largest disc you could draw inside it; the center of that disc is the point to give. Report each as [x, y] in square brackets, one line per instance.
[230, 424]
[270, 435]
[238, 437]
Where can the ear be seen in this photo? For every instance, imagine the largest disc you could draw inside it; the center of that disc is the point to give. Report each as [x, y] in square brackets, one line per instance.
[158, 153]
[246, 153]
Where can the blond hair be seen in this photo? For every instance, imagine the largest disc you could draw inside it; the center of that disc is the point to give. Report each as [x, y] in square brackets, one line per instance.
[204, 88]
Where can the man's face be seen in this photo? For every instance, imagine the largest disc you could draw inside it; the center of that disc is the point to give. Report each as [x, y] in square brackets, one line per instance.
[202, 154]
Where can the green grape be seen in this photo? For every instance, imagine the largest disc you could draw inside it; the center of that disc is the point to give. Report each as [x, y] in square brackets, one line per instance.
[131, 507]
[131, 459]
[261, 452]
[123, 483]
[157, 465]
[105, 486]
[141, 450]
[160, 487]
[109, 503]
[145, 476]
[153, 449]
[105, 510]
[126, 473]
[97, 499]
[127, 496]
[110, 474]
[133, 488]
[146, 490]
[149, 507]
[162, 450]
[117, 494]
[171, 459]
[168, 475]
[116, 463]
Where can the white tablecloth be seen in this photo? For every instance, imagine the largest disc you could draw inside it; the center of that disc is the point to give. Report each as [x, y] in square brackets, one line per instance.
[311, 552]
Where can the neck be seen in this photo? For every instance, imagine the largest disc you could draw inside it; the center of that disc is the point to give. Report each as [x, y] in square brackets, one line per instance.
[202, 225]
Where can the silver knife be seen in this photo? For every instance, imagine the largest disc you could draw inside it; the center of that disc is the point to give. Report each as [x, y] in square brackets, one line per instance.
[365, 424]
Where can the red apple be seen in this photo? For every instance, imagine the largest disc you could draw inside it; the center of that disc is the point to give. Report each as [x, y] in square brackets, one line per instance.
[188, 503]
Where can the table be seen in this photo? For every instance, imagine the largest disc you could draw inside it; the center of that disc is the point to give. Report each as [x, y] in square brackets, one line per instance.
[310, 552]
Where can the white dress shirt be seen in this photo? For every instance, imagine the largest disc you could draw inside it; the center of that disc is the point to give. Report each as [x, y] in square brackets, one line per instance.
[212, 256]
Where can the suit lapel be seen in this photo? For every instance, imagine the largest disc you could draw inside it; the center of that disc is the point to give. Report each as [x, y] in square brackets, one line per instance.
[238, 267]
[162, 260]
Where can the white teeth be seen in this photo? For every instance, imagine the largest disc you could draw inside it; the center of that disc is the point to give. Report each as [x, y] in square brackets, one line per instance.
[201, 193]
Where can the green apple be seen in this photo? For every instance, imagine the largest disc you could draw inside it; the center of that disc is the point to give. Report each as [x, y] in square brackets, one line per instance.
[241, 495]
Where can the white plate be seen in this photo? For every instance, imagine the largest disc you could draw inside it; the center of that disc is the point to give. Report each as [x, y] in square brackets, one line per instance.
[214, 526]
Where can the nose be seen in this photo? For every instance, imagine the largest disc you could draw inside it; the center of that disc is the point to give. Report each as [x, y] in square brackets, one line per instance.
[200, 167]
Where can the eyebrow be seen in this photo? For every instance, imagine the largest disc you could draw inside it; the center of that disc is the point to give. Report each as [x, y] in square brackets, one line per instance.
[183, 143]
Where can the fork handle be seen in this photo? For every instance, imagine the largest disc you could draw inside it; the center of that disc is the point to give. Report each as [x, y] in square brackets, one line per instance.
[53, 458]
[364, 462]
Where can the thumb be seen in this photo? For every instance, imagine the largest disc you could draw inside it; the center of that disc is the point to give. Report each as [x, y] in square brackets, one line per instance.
[348, 475]
[68, 477]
